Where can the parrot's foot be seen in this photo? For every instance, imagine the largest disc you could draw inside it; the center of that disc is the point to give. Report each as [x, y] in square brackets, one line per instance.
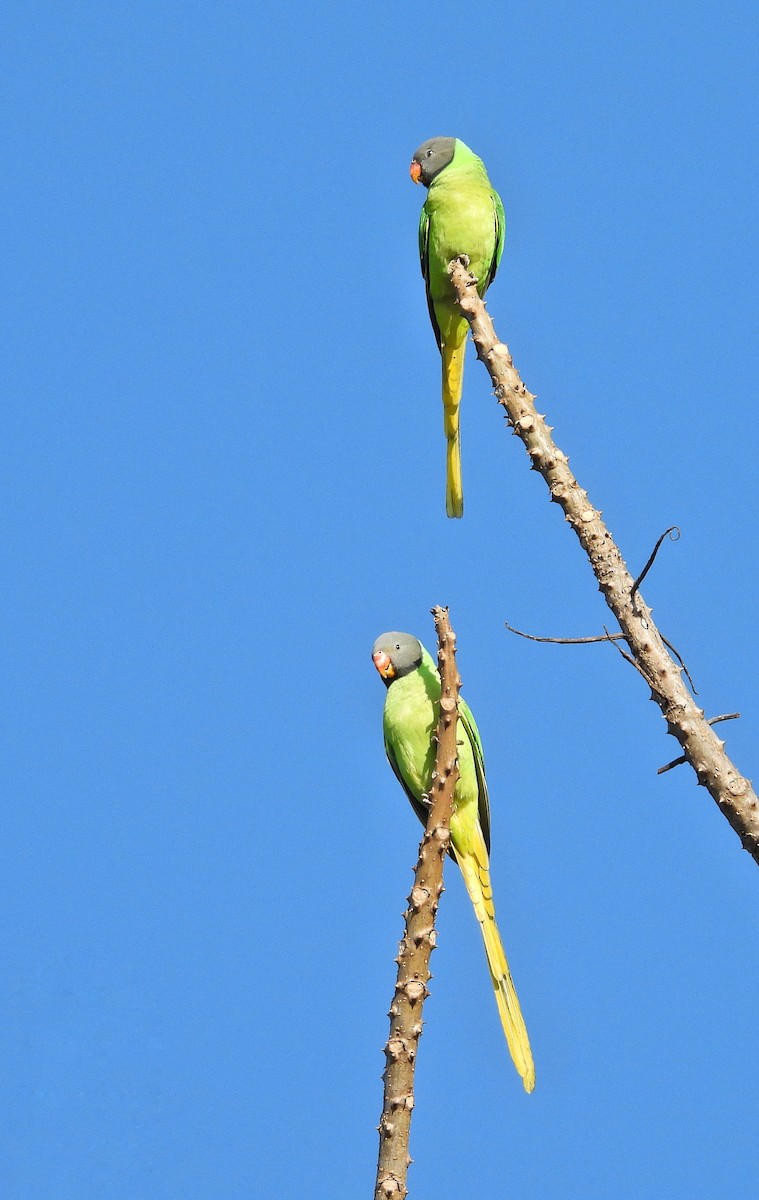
[425, 800]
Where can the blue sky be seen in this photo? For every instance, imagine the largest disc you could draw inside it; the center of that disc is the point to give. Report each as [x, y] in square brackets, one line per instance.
[224, 477]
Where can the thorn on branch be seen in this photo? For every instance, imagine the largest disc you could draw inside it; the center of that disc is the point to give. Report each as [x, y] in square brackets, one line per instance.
[678, 762]
[673, 533]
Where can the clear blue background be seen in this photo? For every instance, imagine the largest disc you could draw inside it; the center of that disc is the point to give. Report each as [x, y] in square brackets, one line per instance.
[224, 477]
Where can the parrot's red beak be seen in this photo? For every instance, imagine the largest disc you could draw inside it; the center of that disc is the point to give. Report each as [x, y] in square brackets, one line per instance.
[415, 171]
[383, 664]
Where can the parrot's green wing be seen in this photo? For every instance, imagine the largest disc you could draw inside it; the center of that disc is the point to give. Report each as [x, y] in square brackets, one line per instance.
[483, 800]
[420, 808]
[424, 263]
[424, 243]
[500, 237]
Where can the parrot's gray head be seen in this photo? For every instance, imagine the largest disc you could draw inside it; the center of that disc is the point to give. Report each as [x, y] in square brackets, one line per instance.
[430, 159]
[396, 654]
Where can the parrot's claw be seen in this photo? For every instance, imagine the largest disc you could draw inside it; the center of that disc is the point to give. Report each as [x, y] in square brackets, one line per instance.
[425, 800]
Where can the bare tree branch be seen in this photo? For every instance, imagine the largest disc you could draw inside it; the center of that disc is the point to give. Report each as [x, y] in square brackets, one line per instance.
[419, 937]
[685, 721]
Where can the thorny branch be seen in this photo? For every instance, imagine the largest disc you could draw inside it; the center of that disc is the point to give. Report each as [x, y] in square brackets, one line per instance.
[702, 748]
[674, 533]
[419, 937]
[678, 762]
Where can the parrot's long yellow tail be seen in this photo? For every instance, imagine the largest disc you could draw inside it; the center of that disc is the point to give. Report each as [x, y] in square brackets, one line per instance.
[453, 382]
[474, 868]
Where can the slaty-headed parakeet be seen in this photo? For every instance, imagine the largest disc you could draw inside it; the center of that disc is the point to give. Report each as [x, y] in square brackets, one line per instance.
[462, 214]
[409, 722]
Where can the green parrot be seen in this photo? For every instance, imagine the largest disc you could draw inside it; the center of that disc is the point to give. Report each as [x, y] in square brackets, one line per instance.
[409, 722]
[462, 214]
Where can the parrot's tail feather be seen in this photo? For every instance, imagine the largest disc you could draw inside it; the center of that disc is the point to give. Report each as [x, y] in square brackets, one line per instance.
[453, 383]
[454, 492]
[477, 879]
[508, 1005]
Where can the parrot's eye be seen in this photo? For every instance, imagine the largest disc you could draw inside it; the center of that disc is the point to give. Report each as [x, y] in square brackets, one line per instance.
[428, 154]
[397, 645]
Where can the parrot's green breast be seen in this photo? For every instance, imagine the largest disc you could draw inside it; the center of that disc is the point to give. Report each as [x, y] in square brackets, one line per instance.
[409, 721]
[462, 221]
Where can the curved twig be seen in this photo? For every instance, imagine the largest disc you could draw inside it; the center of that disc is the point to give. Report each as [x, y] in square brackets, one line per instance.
[674, 535]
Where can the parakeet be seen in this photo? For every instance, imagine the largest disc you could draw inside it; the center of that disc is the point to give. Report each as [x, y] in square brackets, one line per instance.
[462, 214]
[409, 721]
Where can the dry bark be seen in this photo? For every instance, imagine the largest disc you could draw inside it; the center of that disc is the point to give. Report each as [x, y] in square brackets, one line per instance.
[685, 721]
[419, 936]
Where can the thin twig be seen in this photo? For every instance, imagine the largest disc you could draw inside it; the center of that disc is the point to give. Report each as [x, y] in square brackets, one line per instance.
[673, 529]
[588, 641]
[419, 936]
[681, 661]
[629, 658]
[676, 762]
[705, 752]
[557, 641]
